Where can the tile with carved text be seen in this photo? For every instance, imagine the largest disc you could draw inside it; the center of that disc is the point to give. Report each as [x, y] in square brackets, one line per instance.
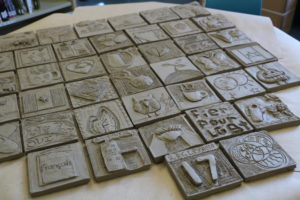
[48, 130]
[218, 121]
[110, 41]
[135, 80]
[169, 136]
[90, 91]
[202, 171]
[122, 59]
[267, 112]
[9, 109]
[122, 22]
[197, 43]
[273, 76]
[117, 154]
[102, 118]
[8, 83]
[56, 34]
[180, 28]
[250, 54]
[213, 22]
[214, 62]
[193, 9]
[235, 85]
[56, 169]
[160, 51]
[176, 70]
[44, 100]
[89, 28]
[10, 141]
[159, 15]
[18, 41]
[82, 68]
[192, 94]
[150, 105]
[38, 76]
[73, 49]
[7, 62]
[34, 56]
[145, 34]
[229, 37]
[257, 155]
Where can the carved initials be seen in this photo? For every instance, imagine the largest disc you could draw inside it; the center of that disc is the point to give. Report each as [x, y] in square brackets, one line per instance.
[212, 165]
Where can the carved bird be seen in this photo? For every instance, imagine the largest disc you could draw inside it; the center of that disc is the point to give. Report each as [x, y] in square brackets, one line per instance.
[147, 105]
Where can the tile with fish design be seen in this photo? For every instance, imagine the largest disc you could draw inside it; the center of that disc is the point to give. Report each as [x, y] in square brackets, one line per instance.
[135, 80]
[110, 41]
[90, 91]
[192, 94]
[56, 34]
[176, 70]
[10, 141]
[180, 28]
[273, 76]
[122, 59]
[17, 41]
[101, 119]
[159, 15]
[8, 83]
[117, 154]
[122, 22]
[38, 76]
[169, 136]
[160, 51]
[150, 105]
[257, 155]
[48, 130]
[7, 62]
[213, 22]
[267, 112]
[193, 9]
[89, 28]
[56, 169]
[214, 62]
[82, 68]
[9, 109]
[34, 56]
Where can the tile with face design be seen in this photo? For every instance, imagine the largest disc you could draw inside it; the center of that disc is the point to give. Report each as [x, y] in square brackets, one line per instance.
[180, 28]
[17, 41]
[159, 15]
[8, 83]
[7, 62]
[89, 28]
[56, 34]
[193, 9]
[122, 22]
[213, 22]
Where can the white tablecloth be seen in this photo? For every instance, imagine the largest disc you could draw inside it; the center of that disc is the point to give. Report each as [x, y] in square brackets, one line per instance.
[157, 183]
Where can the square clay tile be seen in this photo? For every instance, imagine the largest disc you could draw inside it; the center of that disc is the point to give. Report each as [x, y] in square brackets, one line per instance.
[56, 34]
[146, 34]
[89, 28]
[169, 136]
[82, 68]
[110, 41]
[213, 22]
[35, 56]
[197, 43]
[135, 80]
[122, 22]
[101, 119]
[150, 105]
[18, 41]
[160, 51]
[176, 70]
[214, 62]
[122, 59]
[7, 62]
[193, 9]
[73, 49]
[117, 154]
[267, 112]
[159, 15]
[180, 28]
[9, 109]
[38, 76]
[273, 76]
[192, 94]
[235, 85]
[8, 83]
[90, 91]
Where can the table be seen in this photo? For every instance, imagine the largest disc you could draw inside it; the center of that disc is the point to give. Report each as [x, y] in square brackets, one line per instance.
[157, 183]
